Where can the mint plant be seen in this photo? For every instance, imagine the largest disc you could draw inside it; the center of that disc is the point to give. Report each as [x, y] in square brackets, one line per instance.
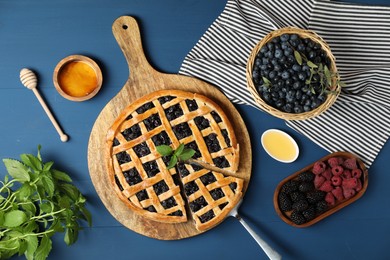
[37, 201]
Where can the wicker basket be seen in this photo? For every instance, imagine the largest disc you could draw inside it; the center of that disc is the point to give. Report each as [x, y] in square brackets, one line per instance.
[331, 98]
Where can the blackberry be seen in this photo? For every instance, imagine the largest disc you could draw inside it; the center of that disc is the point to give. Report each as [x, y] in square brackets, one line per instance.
[321, 206]
[306, 186]
[289, 186]
[297, 196]
[297, 218]
[309, 213]
[315, 196]
[305, 176]
[285, 203]
[300, 205]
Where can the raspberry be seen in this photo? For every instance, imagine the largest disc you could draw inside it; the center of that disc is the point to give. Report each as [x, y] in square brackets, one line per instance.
[330, 199]
[359, 186]
[318, 167]
[318, 181]
[327, 174]
[336, 180]
[334, 161]
[337, 170]
[356, 173]
[338, 193]
[326, 186]
[350, 183]
[350, 163]
[348, 193]
[346, 174]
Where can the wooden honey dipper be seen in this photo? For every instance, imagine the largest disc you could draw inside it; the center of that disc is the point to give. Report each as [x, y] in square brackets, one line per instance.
[29, 80]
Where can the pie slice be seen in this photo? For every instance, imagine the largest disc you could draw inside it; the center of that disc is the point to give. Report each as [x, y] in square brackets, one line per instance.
[210, 195]
[139, 174]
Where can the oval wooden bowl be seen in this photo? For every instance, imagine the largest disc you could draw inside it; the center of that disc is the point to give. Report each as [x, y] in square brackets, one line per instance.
[332, 209]
[75, 58]
[331, 98]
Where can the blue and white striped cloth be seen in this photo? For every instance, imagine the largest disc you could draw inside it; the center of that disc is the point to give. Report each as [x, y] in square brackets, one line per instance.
[359, 36]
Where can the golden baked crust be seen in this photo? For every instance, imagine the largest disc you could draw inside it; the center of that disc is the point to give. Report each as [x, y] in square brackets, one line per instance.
[138, 172]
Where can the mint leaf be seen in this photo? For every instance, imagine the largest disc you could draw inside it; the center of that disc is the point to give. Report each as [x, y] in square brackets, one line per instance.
[179, 150]
[164, 150]
[25, 192]
[61, 176]
[14, 218]
[48, 183]
[32, 245]
[187, 154]
[172, 162]
[47, 166]
[311, 65]
[44, 248]
[298, 57]
[31, 161]
[17, 170]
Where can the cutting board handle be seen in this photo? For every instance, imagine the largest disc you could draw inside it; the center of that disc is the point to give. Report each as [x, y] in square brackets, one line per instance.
[128, 36]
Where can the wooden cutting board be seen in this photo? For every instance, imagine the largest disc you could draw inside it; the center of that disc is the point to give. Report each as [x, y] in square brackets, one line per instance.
[144, 79]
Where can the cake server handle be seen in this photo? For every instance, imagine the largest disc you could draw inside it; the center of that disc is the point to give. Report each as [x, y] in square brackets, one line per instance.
[268, 250]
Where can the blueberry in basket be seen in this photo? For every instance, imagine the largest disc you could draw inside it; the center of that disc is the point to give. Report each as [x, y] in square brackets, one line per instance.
[293, 72]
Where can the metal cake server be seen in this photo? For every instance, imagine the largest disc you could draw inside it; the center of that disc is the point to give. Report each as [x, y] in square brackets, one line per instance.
[269, 251]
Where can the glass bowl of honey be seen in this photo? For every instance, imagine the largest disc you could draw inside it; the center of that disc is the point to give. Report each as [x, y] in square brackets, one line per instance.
[77, 78]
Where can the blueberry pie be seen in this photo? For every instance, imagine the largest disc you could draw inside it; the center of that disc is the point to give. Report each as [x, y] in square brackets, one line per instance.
[139, 173]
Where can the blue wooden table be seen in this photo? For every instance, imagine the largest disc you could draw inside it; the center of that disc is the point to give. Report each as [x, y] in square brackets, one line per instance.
[38, 34]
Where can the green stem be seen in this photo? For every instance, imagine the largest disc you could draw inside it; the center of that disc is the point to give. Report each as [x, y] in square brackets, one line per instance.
[48, 214]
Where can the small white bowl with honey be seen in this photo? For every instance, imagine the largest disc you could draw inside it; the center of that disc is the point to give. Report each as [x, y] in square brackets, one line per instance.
[77, 78]
[280, 145]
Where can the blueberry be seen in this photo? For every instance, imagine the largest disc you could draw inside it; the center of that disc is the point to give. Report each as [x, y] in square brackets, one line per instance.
[284, 37]
[297, 85]
[288, 108]
[302, 76]
[277, 67]
[298, 109]
[288, 51]
[272, 75]
[306, 108]
[278, 53]
[264, 49]
[296, 67]
[285, 75]
[270, 46]
[312, 55]
[301, 47]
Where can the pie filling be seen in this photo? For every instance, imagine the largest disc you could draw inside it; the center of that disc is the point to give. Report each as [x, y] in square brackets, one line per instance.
[140, 175]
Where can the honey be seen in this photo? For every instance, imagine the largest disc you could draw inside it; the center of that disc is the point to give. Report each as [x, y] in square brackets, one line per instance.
[77, 79]
[279, 145]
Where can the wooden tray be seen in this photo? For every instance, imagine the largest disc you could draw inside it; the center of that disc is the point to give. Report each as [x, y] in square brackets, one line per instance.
[338, 205]
[144, 79]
